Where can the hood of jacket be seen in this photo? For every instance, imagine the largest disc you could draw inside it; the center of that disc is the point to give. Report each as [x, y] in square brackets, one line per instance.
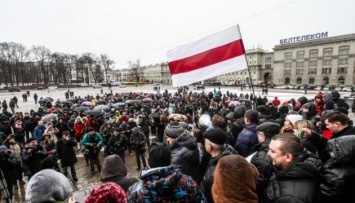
[113, 168]
[327, 96]
[185, 140]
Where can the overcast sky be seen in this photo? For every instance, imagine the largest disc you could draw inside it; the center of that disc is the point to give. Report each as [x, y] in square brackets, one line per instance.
[145, 30]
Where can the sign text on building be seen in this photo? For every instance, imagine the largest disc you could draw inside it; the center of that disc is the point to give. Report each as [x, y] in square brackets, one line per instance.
[304, 38]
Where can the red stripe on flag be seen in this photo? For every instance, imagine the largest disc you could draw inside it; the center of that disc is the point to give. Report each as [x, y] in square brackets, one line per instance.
[209, 57]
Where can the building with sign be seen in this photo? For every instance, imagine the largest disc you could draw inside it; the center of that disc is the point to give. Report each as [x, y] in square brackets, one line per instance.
[324, 61]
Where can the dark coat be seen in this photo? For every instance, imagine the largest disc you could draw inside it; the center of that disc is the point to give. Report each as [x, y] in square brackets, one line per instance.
[185, 153]
[298, 183]
[247, 139]
[263, 162]
[206, 184]
[66, 152]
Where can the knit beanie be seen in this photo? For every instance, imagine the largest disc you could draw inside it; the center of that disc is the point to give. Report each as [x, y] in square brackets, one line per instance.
[47, 185]
[216, 135]
[159, 155]
[107, 192]
[173, 130]
[269, 129]
[293, 118]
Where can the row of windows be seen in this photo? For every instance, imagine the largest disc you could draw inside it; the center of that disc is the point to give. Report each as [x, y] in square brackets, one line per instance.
[327, 52]
[314, 71]
[311, 81]
[325, 62]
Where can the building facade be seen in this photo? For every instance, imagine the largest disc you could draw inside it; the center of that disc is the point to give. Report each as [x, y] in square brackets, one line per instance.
[326, 61]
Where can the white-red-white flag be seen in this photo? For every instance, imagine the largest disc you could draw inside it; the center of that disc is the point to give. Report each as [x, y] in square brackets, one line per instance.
[216, 54]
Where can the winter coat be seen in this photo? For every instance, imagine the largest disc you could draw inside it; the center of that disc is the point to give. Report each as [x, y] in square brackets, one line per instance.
[237, 127]
[38, 133]
[114, 170]
[79, 129]
[300, 182]
[341, 103]
[185, 154]
[165, 184]
[66, 152]
[206, 183]
[319, 107]
[263, 162]
[247, 139]
[117, 144]
[276, 102]
[33, 158]
[338, 176]
[9, 166]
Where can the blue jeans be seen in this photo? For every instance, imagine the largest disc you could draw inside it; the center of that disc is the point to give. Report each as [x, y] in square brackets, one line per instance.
[72, 171]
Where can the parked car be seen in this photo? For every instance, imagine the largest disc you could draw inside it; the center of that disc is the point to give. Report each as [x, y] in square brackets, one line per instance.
[53, 87]
[347, 89]
[326, 88]
[14, 89]
[122, 86]
[338, 88]
[97, 86]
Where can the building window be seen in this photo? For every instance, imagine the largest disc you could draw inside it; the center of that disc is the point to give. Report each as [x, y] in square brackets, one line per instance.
[312, 63]
[328, 52]
[268, 66]
[312, 71]
[268, 60]
[299, 64]
[288, 56]
[288, 65]
[299, 80]
[299, 71]
[300, 55]
[287, 72]
[343, 61]
[313, 54]
[341, 80]
[311, 80]
[325, 80]
[344, 50]
[342, 70]
[327, 62]
[326, 70]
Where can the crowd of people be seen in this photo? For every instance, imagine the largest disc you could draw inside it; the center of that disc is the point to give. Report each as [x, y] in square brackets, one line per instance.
[189, 147]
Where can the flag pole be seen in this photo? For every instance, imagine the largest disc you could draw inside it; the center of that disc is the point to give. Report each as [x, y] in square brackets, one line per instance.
[250, 79]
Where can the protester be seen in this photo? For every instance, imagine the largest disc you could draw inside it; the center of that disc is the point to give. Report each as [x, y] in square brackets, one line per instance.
[92, 141]
[114, 170]
[47, 185]
[247, 139]
[66, 154]
[138, 141]
[235, 180]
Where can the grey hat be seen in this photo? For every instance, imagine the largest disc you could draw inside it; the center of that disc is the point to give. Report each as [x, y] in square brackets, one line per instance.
[269, 129]
[173, 130]
[47, 185]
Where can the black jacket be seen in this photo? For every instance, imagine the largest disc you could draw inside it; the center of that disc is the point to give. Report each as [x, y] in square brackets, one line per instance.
[263, 162]
[298, 183]
[338, 176]
[185, 153]
[66, 152]
[206, 184]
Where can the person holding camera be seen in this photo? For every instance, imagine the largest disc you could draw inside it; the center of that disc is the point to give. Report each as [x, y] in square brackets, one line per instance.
[8, 166]
[32, 156]
[92, 142]
[66, 154]
[138, 141]
[117, 143]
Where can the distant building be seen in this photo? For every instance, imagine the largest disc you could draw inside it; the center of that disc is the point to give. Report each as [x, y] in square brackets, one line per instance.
[326, 61]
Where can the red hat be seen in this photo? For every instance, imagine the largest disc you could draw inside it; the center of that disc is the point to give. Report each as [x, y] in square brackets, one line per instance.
[107, 192]
[319, 95]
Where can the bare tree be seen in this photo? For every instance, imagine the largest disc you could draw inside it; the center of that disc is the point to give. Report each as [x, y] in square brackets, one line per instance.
[42, 55]
[105, 61]
[135, 69]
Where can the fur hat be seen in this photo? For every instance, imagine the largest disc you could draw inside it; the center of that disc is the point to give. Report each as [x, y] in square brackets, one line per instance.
[216, 135]
[107, 192]
[159, 155]
[294, 118]
[173, 130]
[47, 185]
[269, 129]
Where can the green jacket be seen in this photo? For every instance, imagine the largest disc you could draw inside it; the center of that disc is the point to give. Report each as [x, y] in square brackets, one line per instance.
[87, 140]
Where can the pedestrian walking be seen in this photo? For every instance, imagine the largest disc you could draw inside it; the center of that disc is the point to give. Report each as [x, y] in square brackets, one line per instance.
[35, 97]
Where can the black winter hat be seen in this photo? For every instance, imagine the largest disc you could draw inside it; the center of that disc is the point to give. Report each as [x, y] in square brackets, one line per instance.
[269, 129]
[173, 130]
[261, 109]
[159, 155]
[216, 135]
[239, 112]
[335, 94]
[283, 110]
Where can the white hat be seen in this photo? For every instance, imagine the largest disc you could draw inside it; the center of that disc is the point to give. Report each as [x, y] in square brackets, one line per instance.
[294, 118]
